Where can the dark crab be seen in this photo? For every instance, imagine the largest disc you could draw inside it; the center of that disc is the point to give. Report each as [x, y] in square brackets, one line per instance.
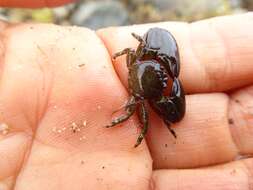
[150, 67]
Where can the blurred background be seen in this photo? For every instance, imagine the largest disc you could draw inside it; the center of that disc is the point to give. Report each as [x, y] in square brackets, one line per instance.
[101, 13]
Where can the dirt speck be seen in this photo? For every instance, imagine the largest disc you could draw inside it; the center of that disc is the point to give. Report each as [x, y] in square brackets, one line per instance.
[99, 179]
[82, 138]
[233, 172]
[81, 65]
[230, 121]
[237, 101]
[82, 162]
[74, 127]
[58, 130]
[4, 128]
[54, 129]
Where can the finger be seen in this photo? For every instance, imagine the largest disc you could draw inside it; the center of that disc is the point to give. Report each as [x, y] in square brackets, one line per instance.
[241, 119]
[63, 85]
[203, 136]
[236, 175]
[215, 129]
[13, 147]
[33, 3]
[216, 54]
[15, 126]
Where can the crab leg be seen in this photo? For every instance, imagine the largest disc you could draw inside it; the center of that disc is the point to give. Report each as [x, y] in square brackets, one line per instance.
[171, 130]
[139, 38]
[144, 120]
[131, 56]
[131, 106]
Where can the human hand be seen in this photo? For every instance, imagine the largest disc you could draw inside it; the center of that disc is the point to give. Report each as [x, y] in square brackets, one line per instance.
[54, 78]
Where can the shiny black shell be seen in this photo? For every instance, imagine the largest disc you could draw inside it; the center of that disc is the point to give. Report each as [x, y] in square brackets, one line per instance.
[162, 46]
[147, 79]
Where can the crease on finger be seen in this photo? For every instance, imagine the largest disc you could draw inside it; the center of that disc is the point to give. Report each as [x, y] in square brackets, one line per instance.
[234, 175]
[213, 66]
[226, 67]
[249, 171]
[240, 121]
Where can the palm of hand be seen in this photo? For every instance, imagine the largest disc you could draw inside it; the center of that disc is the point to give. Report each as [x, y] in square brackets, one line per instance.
[54, 80]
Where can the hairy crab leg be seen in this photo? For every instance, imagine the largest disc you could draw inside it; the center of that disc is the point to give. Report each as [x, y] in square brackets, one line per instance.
[124, 51]
[129, 112]
[131, 55]
[139, 38]
[171, 130]
[144, 120]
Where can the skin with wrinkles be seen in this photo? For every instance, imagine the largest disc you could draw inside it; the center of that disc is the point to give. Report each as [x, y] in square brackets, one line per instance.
[52, 77]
